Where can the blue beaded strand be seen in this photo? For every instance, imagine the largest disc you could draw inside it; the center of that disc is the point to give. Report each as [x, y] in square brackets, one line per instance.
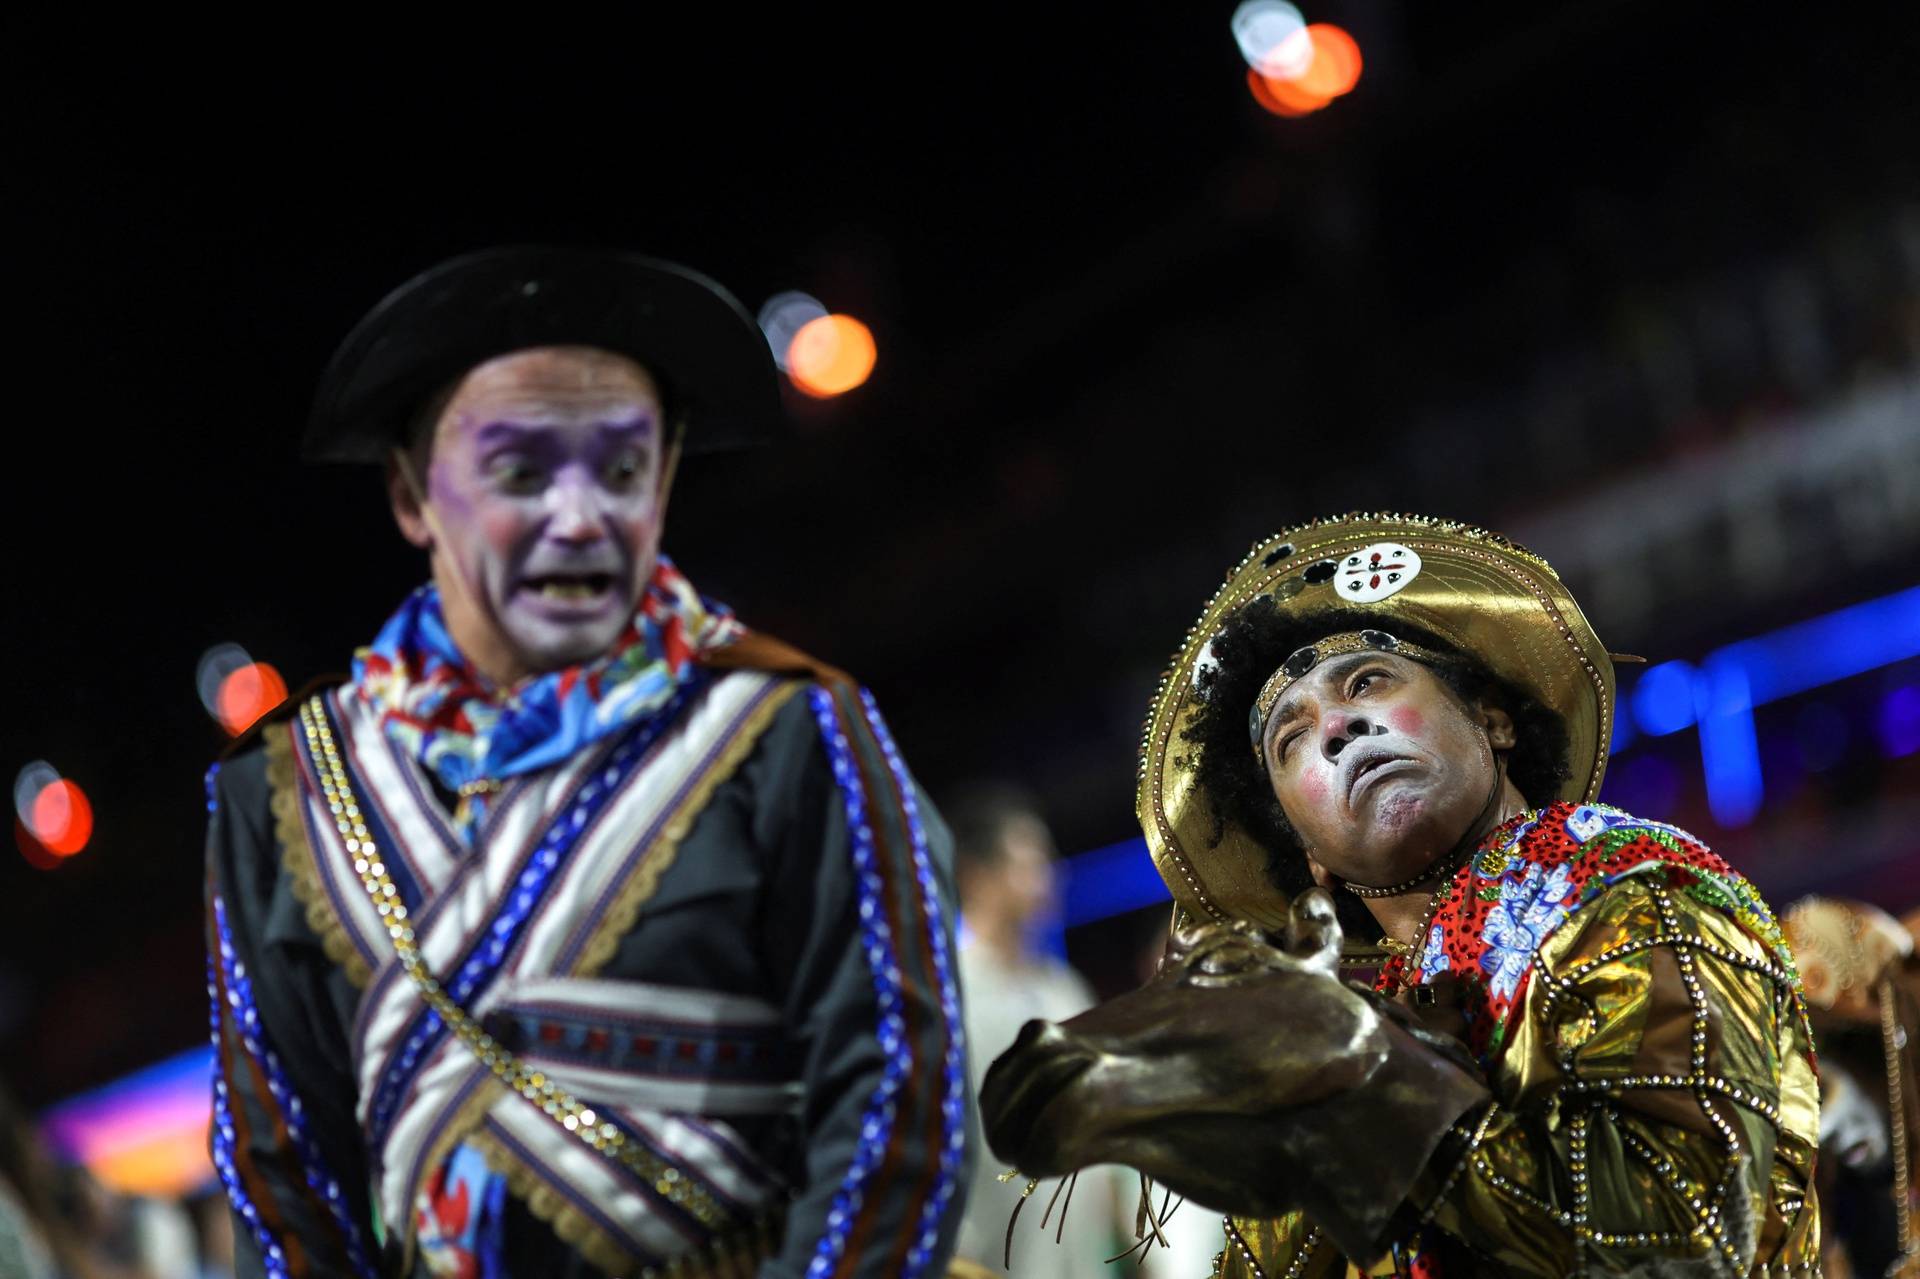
[953, 1104]
[247, 1020]
[224, 1138]
[876, 1122]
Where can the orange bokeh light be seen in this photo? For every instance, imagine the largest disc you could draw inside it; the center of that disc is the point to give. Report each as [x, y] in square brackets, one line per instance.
[248, 693]
[1283, 97]
[831, 355]
[1333, 71]
[167, 1164]
[1335, 68]
[62, 818]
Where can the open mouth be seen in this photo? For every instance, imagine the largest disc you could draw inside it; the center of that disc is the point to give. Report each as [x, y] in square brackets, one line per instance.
[1368, 770]
[569, 587]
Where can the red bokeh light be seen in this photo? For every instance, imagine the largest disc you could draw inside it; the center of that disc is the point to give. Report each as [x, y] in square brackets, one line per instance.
[62, 818]
[248, 693]
[32, 849]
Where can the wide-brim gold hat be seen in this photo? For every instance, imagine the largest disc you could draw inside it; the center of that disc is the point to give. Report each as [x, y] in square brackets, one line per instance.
[1477, 590]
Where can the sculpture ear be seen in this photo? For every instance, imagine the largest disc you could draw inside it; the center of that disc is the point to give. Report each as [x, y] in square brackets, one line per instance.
[1313, 932]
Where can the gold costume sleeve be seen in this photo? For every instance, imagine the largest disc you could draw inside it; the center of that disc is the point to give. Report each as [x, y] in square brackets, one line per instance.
[1656, 1113]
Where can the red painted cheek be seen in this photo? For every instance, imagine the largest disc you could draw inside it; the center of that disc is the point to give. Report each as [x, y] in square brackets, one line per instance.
[1407, 721]
[1314, 789]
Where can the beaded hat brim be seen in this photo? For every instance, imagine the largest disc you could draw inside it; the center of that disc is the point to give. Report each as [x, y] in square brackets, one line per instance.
[1475, 589]
[714, 365]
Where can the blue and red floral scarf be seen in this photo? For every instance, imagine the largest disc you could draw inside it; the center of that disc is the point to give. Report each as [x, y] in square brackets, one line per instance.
[444, 714]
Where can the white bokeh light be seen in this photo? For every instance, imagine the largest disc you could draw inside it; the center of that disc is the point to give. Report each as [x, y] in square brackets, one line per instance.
[216, 664]
[1273, 38]
[28, 784]
[784, 315]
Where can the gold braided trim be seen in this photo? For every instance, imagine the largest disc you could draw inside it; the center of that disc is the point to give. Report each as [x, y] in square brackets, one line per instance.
[737, 1256]
[644, 879]
[297, 857]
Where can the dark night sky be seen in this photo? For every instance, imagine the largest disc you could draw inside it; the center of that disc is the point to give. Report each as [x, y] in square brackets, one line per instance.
[1032, 211]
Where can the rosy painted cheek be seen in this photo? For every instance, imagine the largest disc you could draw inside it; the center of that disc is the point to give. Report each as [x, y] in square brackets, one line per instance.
[501, 526]
[1314, 790]
[1408, 721]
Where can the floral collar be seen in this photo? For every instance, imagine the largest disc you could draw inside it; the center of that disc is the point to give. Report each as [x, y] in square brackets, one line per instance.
[1528, 877]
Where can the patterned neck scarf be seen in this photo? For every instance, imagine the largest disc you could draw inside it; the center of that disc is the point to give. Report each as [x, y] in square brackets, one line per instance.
[444, 714]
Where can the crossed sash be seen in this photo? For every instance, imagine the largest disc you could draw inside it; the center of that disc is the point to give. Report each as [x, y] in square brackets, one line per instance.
[514, 930]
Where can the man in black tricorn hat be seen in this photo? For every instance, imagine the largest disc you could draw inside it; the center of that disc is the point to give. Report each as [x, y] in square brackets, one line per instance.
[581, 928]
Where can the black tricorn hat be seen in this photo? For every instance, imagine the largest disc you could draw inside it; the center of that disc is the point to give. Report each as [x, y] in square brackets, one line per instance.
[714, 365]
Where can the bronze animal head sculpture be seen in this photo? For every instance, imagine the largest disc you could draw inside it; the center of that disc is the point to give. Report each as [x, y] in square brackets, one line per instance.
[1246, 1076]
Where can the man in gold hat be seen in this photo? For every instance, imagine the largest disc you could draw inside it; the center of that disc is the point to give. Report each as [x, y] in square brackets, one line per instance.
[1413, 716]
[1859, 971]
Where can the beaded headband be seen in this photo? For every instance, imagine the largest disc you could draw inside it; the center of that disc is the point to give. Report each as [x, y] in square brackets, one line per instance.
[1304, 659]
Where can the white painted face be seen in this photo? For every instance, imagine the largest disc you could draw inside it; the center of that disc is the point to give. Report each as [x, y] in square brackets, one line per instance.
[1852, 1128]
[1375, 572]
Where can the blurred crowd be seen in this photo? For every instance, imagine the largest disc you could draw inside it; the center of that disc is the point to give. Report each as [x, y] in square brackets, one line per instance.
[57, 1221]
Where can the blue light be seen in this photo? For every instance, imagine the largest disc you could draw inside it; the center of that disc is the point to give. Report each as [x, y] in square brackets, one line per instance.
[1791, 660]
[1109, 881]
[1729, 747]
[1663, 698]
[1861, 638]
[1900, 721]
[1622, 730]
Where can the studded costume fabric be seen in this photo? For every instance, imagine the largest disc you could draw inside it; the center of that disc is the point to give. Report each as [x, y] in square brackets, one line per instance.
[1639, 1021]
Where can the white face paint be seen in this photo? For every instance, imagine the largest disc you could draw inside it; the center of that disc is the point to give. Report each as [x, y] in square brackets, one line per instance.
[546, 478]
[1374, 572]
[1852, 1129]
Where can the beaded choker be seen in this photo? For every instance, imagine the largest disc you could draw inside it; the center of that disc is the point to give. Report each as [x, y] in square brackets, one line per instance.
[1440, 869]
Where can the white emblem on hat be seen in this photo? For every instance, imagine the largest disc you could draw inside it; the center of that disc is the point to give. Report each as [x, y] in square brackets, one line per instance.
[1205, 661]
[1375, 572]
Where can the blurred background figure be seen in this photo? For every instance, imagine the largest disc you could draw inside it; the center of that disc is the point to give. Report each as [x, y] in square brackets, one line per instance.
[1004, 857]
[1858, 967]
[213, 1226]
[29, 1226]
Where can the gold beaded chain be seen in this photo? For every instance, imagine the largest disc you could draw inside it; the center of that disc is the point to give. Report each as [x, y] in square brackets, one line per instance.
[1409, 952]
[1891, 1042]
[565, 1109]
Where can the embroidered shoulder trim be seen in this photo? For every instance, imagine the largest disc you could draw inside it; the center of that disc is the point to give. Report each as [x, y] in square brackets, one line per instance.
[623, 911]
[296, 854]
